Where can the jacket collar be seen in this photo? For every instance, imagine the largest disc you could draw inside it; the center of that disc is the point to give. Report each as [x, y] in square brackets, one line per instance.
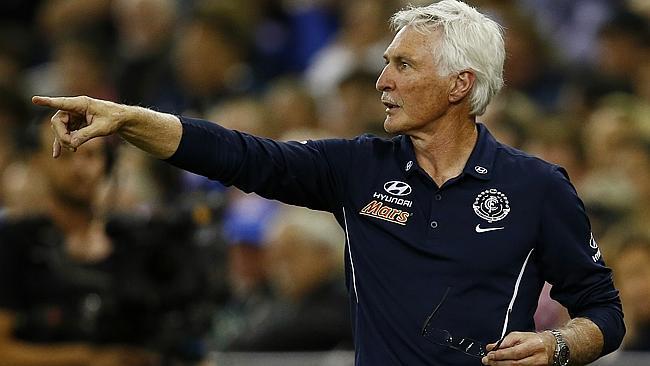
[479, 165]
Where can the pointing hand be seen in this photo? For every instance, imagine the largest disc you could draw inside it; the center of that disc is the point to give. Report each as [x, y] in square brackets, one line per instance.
[79, 119]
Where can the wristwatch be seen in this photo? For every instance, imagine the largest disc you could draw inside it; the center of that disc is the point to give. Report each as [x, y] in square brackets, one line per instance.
[562, 354]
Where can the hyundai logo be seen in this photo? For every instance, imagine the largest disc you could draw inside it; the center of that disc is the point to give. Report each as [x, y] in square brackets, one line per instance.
[397, 188]
[481, 170]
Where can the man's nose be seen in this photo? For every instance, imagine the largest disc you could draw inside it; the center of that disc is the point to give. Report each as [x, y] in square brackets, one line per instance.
[384, 81]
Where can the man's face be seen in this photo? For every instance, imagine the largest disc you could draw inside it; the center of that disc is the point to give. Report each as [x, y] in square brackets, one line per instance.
[74, 177]
[414, 94]
[203, 58]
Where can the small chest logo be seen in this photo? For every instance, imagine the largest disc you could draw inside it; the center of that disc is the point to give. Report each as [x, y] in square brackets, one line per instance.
[481, 170]
[491, 205]
[397, 188]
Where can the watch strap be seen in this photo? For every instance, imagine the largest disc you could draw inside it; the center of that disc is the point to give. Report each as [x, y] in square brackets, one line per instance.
[560, 344]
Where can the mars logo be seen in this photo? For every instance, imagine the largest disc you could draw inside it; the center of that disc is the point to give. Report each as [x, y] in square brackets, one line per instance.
[397, 188]
[491, 205]
[379, 210]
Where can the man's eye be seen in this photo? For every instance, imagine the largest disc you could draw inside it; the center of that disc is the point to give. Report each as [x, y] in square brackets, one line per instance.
[403, 65]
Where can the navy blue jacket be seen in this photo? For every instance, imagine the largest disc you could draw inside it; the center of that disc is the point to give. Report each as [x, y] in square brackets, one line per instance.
[485, 241]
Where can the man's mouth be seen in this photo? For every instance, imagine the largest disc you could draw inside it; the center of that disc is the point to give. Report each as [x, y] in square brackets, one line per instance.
[390, 106]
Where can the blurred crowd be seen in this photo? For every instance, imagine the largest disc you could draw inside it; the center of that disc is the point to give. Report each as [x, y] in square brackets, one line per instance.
[109, 257]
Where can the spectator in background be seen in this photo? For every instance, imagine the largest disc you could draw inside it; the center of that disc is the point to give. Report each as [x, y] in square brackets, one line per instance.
[80, 64]
[553, 137]
[44, 313]
[72, 38]
[248, 114]
[59, 18]
[642, 82]
[135, 187]
[246, 222]
[530, 68]
[359, 45]
[210, 60]
[641, 7]
[145, 74]
[19, 183]
[607, 187]
[286, 34]
[305, 270]
[572, 26]
[511, 117]
[247, 217]
[633, 279]
[634, 160]
[79, 287]
[15, 46]
[18, 11]
[353, 110]
[622, 49]
[289, 106]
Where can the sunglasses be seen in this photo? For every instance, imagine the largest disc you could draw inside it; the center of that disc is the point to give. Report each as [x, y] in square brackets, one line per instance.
[443, 337]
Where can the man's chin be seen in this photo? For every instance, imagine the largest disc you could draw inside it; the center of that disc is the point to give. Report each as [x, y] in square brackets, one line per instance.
[390, 126]
[78, 199]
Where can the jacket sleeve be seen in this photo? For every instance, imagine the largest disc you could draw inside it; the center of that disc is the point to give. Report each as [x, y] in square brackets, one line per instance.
[307, 173]
[572, 262]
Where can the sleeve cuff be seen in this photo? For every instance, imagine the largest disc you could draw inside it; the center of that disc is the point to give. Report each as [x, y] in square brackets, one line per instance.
[610, 323]
[207, 149]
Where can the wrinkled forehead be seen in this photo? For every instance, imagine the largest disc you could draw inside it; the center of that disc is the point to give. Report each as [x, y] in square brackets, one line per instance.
[413, 41]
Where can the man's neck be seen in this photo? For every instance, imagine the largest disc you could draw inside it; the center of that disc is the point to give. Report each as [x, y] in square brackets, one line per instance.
[84, 236]
[443, 150]
[69, 218]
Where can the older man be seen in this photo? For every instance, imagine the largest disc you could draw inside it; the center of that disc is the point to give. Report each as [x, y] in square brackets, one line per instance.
[450, 234]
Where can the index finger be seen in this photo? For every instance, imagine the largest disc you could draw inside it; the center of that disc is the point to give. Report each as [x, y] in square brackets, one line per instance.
[70, 104]
[519, 349]
[509, 340]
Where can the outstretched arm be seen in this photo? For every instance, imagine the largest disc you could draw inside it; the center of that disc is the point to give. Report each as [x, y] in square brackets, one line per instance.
[307, 173]
[80, 119]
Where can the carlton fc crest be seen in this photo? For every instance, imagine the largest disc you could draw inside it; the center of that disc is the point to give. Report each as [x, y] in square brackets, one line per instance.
[491, 205]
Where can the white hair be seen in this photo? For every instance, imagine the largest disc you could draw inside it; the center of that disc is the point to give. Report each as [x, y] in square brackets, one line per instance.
[318, 228]
[470, 40]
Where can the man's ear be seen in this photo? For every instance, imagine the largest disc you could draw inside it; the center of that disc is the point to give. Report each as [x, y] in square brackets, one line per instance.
[462, 86]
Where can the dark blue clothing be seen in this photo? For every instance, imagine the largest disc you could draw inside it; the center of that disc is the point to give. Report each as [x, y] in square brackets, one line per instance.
[492, 235]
